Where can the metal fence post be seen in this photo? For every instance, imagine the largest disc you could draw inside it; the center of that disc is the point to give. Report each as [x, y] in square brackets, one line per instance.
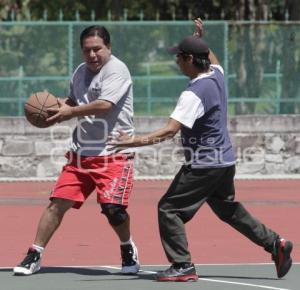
[20, 91]
[70, 48]
[93, 15]
[149, 90]
[278, 89]
[125, 13]
[60, 15]
[45, 15]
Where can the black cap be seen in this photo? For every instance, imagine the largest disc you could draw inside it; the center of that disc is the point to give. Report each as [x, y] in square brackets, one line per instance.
[191, 45]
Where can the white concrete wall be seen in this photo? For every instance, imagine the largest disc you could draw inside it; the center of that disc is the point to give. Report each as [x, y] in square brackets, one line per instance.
[264, 145]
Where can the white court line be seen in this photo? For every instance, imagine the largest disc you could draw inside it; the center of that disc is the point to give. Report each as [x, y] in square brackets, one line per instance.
[220, 264]
[213, 280]
[201, 279]
[243, 284]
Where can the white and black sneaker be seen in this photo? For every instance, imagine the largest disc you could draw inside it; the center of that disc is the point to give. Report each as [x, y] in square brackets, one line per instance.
[130, 261]
[31, 264]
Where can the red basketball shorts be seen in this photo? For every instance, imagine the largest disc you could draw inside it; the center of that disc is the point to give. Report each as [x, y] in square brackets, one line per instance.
[111, 176]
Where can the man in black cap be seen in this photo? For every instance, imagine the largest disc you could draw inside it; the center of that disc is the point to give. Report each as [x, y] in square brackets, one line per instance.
[208, 175]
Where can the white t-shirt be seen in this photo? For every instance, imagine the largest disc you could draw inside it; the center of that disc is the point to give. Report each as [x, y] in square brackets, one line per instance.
[113, 83]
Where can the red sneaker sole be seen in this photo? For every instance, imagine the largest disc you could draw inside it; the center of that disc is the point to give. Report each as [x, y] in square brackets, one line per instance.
[186, 278]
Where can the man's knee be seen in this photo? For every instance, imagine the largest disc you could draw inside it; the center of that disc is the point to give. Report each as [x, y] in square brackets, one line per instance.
[232, 212]
[59, 206]
[115, 213]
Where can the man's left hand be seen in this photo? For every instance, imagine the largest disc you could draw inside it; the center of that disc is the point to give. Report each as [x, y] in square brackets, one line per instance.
[60, 114]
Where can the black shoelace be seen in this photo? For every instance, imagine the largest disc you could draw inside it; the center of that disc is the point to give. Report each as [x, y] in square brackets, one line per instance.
[31, 257]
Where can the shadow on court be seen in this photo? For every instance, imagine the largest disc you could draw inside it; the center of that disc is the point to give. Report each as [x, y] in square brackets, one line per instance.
[78, 271]
[211, 277]
[146, 276]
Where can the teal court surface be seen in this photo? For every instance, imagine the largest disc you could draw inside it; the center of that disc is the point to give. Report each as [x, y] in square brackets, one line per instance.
[211, 277]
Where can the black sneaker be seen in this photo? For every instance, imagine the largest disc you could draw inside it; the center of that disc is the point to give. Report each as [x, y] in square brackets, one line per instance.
[130, 261]
[281, 256]
[184, 272]
[31, 264]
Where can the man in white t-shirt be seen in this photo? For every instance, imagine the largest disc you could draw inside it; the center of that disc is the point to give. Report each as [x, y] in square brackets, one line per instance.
[101, 98]
[208, 174]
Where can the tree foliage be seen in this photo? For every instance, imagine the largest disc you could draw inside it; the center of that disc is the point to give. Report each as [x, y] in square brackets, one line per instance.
[254, 49]
[150, 10]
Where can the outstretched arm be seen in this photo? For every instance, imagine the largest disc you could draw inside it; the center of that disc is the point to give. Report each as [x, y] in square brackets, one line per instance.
[167, 132]
[199, 31]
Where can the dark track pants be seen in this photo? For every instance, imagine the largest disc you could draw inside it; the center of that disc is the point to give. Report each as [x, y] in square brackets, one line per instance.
[187, 193]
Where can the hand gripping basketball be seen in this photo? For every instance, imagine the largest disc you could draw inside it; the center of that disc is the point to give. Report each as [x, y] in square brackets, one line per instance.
[36, 109]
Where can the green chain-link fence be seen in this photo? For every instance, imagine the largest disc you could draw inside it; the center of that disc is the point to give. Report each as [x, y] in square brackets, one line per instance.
[261, 61]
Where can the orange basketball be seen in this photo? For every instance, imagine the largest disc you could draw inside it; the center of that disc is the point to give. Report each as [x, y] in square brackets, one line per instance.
[36, 108]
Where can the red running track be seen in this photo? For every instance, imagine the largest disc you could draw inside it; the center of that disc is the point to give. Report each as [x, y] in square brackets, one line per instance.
[85, 238]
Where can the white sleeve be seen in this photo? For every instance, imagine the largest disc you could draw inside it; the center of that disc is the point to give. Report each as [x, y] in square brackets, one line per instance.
[189, 108]
[217, 66]
[114, 87]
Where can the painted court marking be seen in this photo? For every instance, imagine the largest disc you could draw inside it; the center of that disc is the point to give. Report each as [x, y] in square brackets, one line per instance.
[216, 280]
[201, 279]
[243, 284]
